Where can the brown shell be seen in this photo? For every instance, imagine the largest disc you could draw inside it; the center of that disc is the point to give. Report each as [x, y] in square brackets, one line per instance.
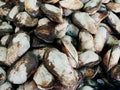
[46, 32]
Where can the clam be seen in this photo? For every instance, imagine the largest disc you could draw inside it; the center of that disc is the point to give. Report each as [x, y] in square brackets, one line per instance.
[70, 51]
[2, 75]
[99, 16]
[86, 40]
[88, 58]
[46, 32]
[13, 12]
[100, 38]
[43, 78]
[53, 13]
[32, 7]
[92, 6]
[61, 29]
[23, 19]
[19, 45]
[57, 63]
[112, 57]
[3, 54]
[83, 20]
[115, 7]
[71, 4]
[4, 40]
[24, 68]
[6, 86]
[114, 21]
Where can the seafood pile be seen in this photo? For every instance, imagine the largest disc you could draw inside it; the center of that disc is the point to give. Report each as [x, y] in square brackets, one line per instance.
[59, 44]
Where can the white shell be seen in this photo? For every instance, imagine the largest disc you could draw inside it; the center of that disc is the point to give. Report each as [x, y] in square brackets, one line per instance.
[87, 57]
[71, 51]
[53, 13]
[115, 7]
[3, 54]
[71, 4]
[82, 19]
[86, 40]
[111, 58]
[6, 86]
[62, 69]
[43, 78]
[20, 44]
[2, 75]
[114, 21]
[92, 6]
[13, 12]
[100, 38]
[24, 19]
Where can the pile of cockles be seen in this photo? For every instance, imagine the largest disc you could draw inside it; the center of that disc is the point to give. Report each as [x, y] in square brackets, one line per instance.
[59, 44]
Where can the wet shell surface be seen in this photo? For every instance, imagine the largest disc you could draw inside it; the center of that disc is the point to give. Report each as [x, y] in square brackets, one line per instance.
[59, 44]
